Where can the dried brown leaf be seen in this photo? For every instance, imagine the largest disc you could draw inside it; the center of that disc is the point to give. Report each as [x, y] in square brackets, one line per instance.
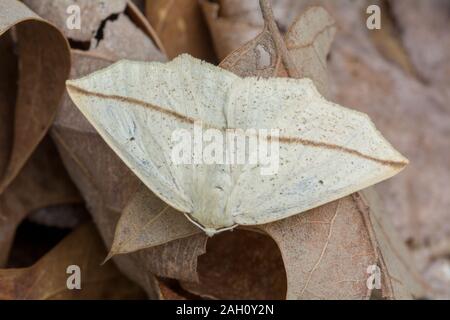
[47, 278]
[40, 85]
[331, 253]
[240, 265]
[102, 23]
[148, 222]
[335, 244]
[309, 41]
[400, 277]
[93, 13]
[261, 56]
[29, 95]
[260, 53]
[8, 65]
[180, 25]
[129, 34]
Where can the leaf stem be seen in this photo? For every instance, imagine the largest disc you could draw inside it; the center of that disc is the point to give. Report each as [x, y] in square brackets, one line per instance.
[269, 20]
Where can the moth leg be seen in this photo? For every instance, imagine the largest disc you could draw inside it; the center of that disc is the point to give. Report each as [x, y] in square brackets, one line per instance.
[209, 231]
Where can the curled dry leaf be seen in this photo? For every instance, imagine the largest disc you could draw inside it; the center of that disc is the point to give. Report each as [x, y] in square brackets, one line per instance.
[240, 265]
[32, 107]
[31, 86]
[47, 278]
[181, 27]
[308, 39]
[8, 65]
[94, 13]
[148, 222]
[102, 23]
[129, 34]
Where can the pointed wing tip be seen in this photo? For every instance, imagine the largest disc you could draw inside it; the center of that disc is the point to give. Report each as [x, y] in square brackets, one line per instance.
[399, 161]
[400, 165]
[72, 84]
[403, 163]
[72, 88]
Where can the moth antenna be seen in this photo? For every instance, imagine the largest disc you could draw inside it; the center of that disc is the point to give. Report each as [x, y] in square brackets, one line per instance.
[209, 231]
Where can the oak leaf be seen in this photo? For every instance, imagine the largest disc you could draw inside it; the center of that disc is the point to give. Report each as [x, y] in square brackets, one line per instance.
[35, 61]
[40, 85]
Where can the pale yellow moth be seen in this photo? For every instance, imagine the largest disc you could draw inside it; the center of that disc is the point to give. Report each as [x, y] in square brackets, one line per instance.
[325, 151]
